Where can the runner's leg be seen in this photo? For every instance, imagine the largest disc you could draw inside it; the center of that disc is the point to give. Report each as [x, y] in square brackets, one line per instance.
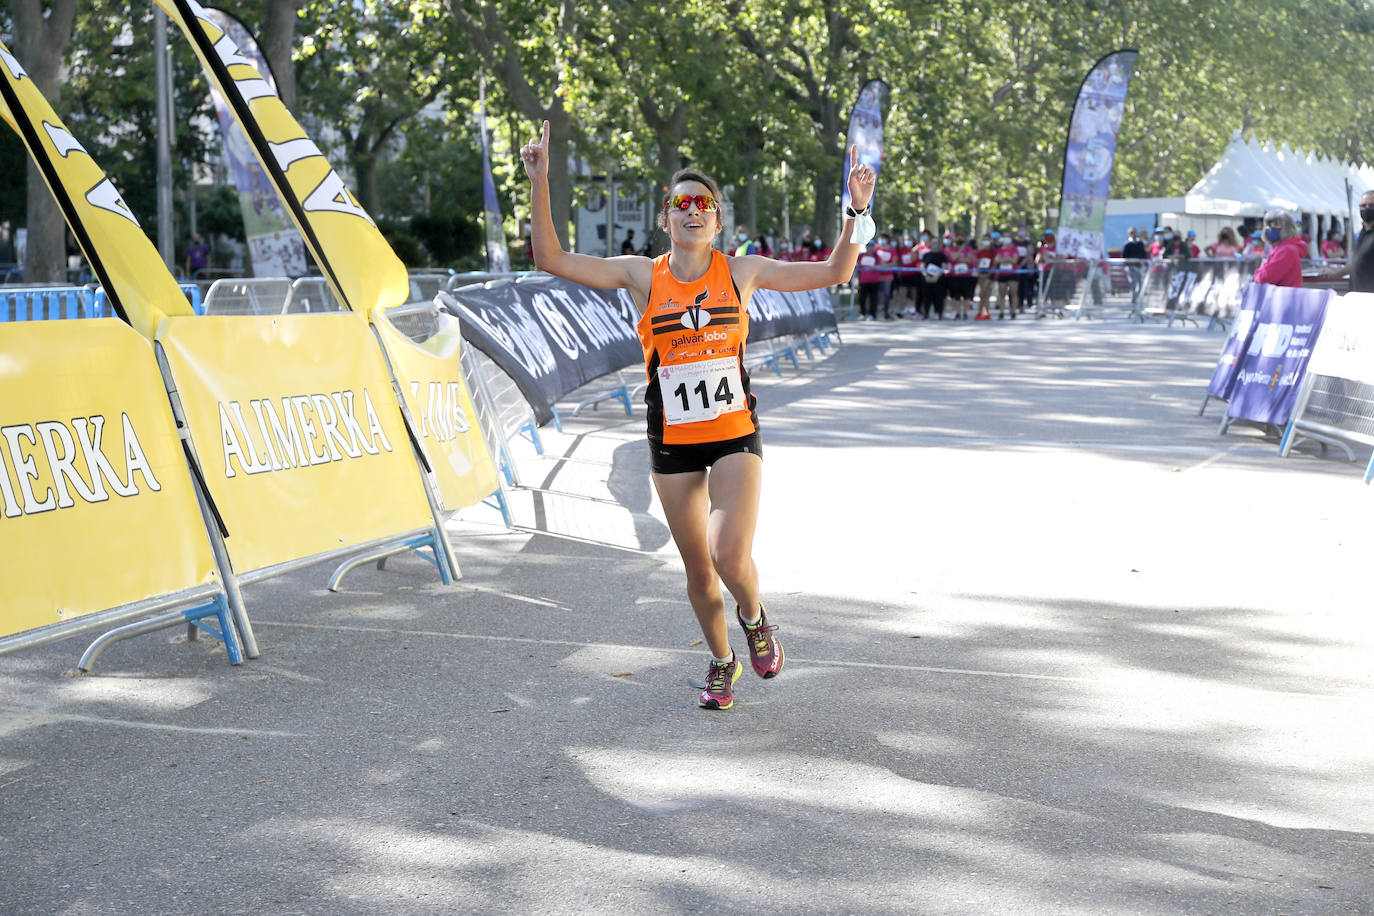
[735, 484]
[685, 505]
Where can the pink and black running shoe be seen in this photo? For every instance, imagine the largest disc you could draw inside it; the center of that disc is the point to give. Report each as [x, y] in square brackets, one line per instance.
[765, 652]
[720, 681]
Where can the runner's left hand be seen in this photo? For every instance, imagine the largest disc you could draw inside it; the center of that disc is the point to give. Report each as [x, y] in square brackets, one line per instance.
[861, 180]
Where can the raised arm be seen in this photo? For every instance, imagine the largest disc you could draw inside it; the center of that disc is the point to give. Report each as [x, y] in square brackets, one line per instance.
[756, 272]
[631, 272]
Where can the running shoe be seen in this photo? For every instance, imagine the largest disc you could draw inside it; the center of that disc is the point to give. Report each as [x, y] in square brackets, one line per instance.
[765, 652]
[720, 681]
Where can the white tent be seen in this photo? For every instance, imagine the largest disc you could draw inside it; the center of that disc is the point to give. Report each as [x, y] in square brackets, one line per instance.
[1250, 178]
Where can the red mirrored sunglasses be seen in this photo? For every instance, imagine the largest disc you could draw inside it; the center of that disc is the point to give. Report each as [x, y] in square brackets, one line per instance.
[704, 203]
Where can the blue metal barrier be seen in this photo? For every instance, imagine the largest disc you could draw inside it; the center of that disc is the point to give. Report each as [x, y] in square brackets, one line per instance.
[191, 290]
[47, 303]
[54, 303]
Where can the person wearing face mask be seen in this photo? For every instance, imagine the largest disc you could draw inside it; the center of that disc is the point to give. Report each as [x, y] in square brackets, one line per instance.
[1360, 267]
[743, 245]
[1283, 265]
[1156, 249]
[904, 286]
[987, 250]
[960, 282]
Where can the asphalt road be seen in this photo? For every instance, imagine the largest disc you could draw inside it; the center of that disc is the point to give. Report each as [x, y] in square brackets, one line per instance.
[1054, 646]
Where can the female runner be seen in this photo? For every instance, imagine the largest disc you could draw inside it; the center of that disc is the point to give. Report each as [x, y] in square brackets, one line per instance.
[693, 324]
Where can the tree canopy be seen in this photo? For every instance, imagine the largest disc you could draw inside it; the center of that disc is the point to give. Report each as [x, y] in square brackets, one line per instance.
[981, 93]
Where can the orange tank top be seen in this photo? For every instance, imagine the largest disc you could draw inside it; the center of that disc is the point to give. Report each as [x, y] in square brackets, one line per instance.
[693, 336]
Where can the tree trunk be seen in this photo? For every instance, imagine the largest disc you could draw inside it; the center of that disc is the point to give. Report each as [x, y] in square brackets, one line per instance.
[560, 180]
[277, 39]
[497, 50]
[39, 43]
[825, 221]
[365, 177]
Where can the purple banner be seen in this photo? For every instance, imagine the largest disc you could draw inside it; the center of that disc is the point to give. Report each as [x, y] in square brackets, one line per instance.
[1286, 327]
[1237, 342]
[866, 132]
[1090, 154]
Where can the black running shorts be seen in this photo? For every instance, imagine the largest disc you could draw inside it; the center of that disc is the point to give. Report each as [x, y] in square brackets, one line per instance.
[680, 459]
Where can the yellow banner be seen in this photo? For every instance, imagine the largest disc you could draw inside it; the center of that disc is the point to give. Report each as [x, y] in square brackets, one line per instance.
[343, 239]
[127, 264]
[297, 431]
[97, 508]
[432, 378]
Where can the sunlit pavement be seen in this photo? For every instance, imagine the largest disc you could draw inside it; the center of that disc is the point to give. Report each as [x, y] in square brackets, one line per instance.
[1053, 646]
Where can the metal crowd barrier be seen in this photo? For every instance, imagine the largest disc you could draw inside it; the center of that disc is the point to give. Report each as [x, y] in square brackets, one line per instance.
[457, 281]
[53, 303]
[501, 409]
[1085, 288]
[1332, 411]
[247, 296]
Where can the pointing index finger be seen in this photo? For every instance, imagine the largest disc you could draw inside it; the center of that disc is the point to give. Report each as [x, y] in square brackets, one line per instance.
[545, 142]
[853, 155]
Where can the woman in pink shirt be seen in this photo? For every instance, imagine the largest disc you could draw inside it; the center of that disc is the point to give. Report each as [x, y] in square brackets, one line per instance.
[962, 258]
[1283, 265]
[1226, 247]
[1332, 247]
[1008, 259]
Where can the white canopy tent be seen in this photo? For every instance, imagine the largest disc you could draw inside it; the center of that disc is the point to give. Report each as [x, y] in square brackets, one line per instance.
[1250, 178]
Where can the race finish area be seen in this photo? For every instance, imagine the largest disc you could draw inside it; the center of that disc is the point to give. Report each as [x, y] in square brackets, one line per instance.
[1054, 645]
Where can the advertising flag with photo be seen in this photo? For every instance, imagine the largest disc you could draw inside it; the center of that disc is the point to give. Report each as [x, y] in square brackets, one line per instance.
[344, 240]
[866, 131]
[274, 246]
[1090, 153]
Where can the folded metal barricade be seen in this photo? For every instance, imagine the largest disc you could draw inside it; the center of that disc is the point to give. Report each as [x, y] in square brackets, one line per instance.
[425, 284]
[248, 296]
[311, 294]
[1089, 287]
[1332, 411]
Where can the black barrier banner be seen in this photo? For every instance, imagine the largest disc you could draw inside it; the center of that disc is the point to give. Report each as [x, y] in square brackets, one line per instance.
[552, 336]
[1207, 287]
[773, 314]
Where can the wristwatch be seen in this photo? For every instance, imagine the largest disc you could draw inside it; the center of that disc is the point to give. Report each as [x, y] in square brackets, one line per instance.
[851, 213]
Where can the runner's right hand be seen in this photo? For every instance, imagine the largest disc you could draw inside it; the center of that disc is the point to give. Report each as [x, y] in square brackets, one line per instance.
[535, 155]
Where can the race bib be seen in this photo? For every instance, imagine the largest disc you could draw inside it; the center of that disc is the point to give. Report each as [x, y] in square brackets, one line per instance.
[984, 263]
[961, 268]
[702, 390]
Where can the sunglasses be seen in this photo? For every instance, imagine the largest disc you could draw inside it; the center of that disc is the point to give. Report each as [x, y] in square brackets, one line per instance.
[704, 203]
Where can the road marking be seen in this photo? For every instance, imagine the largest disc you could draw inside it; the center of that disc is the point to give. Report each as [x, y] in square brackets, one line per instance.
[1106, 679]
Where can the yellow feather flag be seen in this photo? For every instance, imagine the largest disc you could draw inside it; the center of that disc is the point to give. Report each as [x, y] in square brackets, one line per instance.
[363, 270]
[136, 281]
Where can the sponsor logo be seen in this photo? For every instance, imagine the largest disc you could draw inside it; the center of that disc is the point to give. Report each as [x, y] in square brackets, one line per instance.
[442, 417]
[692, 317]
[310, 429]
[695, 319]
[65, 458]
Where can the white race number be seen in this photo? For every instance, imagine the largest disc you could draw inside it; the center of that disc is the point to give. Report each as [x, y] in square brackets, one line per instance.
[701, 390]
